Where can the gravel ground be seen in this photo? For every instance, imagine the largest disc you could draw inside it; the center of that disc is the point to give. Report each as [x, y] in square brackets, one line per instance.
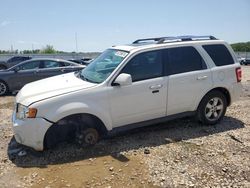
[180, 153]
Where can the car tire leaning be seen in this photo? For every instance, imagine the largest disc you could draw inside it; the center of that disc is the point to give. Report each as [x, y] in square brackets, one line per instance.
[212, 108]
[3, 88]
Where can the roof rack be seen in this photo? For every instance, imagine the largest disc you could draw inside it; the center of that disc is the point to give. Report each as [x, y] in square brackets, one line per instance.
[161, 40]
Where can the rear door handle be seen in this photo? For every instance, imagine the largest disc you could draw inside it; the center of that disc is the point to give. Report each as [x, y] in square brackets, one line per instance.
[158, 86]
[201, 77]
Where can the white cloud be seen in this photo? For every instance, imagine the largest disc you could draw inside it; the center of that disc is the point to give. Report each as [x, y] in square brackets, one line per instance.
[5, 23]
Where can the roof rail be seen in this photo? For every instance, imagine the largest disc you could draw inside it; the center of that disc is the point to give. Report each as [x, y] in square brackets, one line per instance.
[147, 39]
[161, 40]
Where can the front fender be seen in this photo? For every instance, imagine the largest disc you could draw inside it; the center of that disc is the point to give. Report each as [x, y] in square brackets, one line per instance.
[55, 114]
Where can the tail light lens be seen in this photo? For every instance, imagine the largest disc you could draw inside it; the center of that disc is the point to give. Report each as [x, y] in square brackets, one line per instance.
[238, 74]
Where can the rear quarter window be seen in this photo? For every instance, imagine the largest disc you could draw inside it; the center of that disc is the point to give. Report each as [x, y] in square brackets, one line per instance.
[219, 54]
[65, 64]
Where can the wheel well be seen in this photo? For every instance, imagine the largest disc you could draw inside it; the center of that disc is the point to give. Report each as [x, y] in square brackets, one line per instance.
[65, 129]
[224, 91]
[3, 81]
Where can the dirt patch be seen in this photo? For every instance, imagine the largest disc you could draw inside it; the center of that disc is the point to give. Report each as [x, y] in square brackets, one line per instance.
[92, 172]
[7, 102]
[180, 153]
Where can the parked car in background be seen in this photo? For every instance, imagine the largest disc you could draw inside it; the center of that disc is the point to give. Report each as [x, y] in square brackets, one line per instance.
[13, 61]
[147, 82]
[28, 71]
[84, 61]
[245, 62]
[241, 60]
[88, 60]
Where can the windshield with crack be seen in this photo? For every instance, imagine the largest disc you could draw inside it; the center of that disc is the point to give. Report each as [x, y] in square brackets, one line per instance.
[99, 70]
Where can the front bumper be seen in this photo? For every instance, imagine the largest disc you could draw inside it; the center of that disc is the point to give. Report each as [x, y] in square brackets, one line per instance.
[30, 131]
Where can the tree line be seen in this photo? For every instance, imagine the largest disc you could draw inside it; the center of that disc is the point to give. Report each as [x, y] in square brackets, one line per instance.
[241, 47]
[49, 49]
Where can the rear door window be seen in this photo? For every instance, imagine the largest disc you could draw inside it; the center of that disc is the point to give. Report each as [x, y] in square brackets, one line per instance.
[30, 65]
[183, 59]
[51, 64]
[65, 64]
[219, 54]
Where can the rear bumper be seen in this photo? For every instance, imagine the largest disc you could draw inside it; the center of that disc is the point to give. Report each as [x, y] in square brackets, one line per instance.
[235, 91]
[30, 132]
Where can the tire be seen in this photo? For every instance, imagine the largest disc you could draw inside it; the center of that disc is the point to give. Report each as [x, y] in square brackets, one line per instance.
[87, 136]
[212, 108]
[3, 88]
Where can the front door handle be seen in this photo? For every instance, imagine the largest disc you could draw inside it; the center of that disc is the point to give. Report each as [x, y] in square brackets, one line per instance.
[155, 91]
[201, 77]
[158, 86]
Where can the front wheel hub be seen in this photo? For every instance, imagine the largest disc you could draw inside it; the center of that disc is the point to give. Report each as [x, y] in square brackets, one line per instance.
[88, 136]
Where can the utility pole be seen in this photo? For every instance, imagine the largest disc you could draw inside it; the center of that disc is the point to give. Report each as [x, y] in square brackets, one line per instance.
[76, 42]
[11, 49]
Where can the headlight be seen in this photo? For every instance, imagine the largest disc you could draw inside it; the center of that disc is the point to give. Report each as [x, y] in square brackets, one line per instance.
[25, 112]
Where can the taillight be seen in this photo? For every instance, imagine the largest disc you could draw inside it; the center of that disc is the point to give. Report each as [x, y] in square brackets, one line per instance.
[238, 74]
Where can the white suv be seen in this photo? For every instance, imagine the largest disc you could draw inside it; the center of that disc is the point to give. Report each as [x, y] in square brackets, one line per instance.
[146, 82]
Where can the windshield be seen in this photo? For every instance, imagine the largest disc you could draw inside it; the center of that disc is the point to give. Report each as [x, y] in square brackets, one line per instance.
[99, 70]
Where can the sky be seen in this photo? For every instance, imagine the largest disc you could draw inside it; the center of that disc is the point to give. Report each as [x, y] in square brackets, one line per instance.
[97, 25]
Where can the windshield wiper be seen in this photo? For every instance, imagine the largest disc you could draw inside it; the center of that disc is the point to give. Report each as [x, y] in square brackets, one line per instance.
[82, 77]
[86, 79]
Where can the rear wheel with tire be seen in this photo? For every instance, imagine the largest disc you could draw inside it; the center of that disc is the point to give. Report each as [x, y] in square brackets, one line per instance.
[3, 88]
[212, 108]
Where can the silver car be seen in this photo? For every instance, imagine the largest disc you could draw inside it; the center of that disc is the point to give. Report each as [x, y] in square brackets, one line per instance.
[16, 77]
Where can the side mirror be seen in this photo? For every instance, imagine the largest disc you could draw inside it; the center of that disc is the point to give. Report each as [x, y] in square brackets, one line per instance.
[123, 80]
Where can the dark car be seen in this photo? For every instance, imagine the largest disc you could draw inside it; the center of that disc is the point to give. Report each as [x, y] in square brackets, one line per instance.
[246, 62]
[13, 61]
[16, 77]
[84, 61]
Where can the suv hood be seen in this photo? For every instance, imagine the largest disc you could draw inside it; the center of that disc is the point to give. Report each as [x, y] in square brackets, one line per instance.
[51, 87]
